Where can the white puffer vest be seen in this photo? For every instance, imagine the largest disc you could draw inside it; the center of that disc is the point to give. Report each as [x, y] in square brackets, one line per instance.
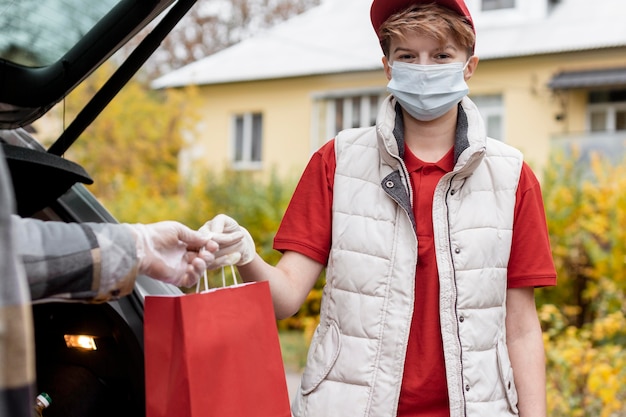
[356, 359]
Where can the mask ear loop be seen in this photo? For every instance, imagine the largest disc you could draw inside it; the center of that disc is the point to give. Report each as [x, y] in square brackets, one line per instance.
[467, 64]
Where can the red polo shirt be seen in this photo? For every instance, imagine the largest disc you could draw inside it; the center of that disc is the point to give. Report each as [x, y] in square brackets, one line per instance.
[306, 228]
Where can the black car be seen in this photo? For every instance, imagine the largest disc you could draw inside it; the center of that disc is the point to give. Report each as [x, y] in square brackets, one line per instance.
[89, 357]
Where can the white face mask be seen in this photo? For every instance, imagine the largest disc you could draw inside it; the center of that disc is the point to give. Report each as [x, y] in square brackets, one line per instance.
[427, 92]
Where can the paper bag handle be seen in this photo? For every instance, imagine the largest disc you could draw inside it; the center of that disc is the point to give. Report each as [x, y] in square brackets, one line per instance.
[206, 279]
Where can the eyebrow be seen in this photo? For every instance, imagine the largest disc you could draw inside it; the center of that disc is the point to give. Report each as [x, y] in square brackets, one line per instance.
[401, 49]
[445, 48]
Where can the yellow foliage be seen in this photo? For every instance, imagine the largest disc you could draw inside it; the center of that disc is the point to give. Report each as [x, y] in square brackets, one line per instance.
[608, 327]
[584, 316]
[132, 147]
[583, 377]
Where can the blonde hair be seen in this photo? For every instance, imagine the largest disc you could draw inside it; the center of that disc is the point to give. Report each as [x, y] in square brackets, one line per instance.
[432, 20]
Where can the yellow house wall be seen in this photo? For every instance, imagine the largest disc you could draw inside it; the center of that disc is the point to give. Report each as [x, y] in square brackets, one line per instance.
[531, 106]
[286, 105]
[530, 120]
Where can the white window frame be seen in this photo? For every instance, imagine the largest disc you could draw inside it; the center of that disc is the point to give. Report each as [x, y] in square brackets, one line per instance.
[523, 12]
[610, 109]
[325, 112]
[492, 106]
[246, 162]
[497, 7]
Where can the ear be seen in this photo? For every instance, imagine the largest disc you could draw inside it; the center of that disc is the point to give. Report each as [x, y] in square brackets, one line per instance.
[471, 67]
[387, 68]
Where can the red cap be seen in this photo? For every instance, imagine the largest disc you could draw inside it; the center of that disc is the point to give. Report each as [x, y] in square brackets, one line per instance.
[382, 9]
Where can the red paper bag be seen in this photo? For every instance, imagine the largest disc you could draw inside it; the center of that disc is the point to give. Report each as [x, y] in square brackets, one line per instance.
[215, 353]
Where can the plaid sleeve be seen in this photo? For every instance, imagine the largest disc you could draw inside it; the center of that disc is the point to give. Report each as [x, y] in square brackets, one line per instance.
[89, 262]
[17, 356]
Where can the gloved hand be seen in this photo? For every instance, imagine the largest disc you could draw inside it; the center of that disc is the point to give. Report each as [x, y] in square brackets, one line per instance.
[235, 243]
[171, 252]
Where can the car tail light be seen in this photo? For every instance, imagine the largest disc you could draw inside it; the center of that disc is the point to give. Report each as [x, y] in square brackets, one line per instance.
[80, 341]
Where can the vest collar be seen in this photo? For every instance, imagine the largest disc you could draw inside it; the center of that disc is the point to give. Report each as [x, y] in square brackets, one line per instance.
[470, 141]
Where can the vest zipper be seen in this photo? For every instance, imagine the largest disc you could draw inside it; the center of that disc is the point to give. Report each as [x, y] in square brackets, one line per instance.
[456, 321]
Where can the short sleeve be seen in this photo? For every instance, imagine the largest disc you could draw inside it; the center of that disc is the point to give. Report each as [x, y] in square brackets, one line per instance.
[307, 223]
[531, 263]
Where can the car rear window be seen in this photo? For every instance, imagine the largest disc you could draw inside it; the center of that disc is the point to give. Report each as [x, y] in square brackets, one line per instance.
[37, 33]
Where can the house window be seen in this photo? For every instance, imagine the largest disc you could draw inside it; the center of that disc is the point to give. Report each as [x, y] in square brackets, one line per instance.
[488, 5]
[354, 111]
[491, 108]
[607, 111]
[339, 110]
[247, 140]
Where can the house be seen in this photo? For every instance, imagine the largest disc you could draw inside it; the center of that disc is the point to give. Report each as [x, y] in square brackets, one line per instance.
[552, 72]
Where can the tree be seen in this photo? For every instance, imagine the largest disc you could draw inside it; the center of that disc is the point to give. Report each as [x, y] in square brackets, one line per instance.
[212, 25]
[584, 318]
[131, 149]
[586, 207]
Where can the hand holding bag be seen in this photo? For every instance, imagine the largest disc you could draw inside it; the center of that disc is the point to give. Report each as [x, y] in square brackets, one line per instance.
[214, 353]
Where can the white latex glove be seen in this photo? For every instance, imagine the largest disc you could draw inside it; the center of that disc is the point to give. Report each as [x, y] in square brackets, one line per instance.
[235, 243]
[171, 252]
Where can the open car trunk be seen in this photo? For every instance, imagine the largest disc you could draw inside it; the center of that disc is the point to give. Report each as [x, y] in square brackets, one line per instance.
[105, 377]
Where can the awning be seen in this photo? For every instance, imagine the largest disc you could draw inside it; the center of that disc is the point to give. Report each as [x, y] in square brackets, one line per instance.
[588, 79]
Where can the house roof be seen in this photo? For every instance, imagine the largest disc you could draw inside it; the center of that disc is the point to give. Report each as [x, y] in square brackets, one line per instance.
[337, 37]
[589, 78]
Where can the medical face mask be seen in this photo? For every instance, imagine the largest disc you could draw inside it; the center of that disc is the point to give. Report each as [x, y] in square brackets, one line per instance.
[427, 92]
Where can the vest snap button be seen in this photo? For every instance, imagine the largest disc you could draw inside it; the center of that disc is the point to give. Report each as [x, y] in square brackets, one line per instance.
[467, 387]
[461, 319]
[389, 184]
[452, 192]
[457, 251]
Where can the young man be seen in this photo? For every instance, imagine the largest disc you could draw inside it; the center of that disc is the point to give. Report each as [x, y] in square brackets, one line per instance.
[433, 237]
